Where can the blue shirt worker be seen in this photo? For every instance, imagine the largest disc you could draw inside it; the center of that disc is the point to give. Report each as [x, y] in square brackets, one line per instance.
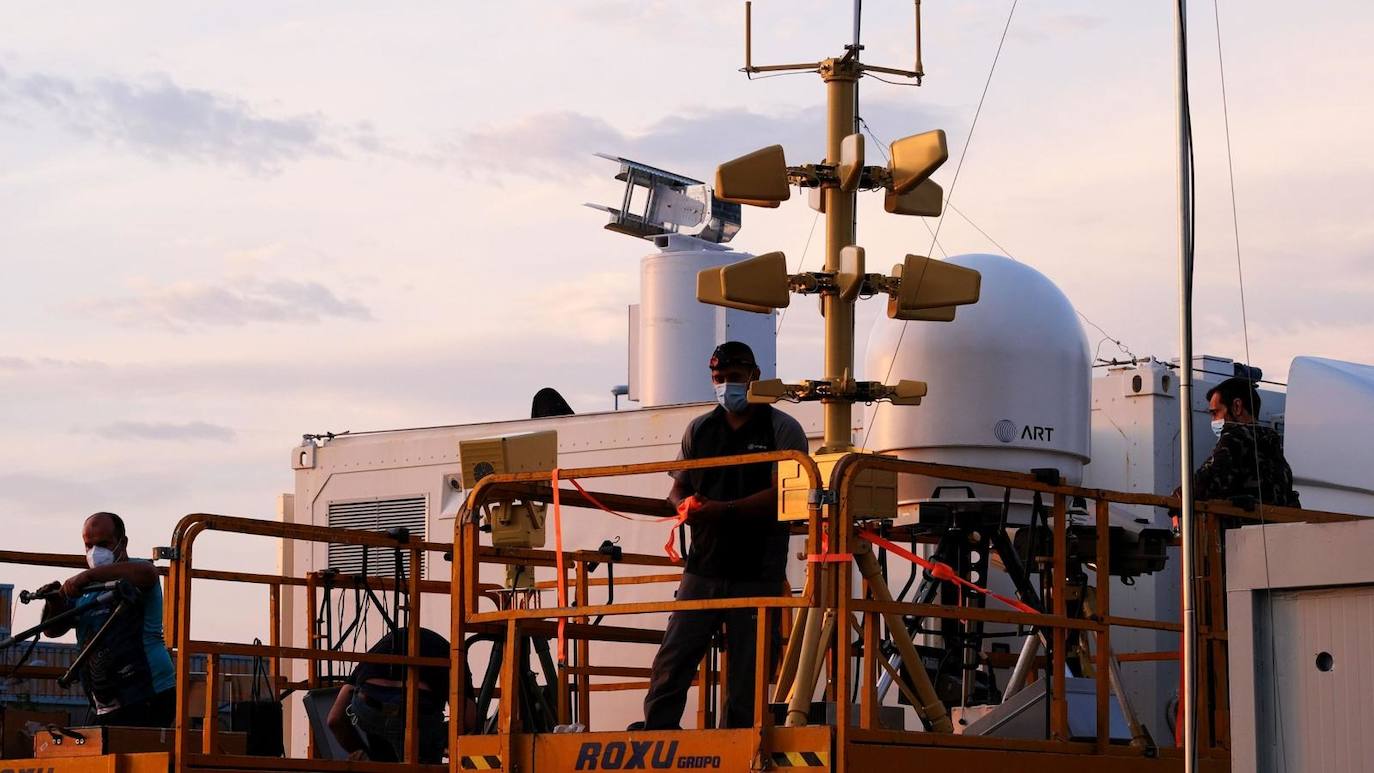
[129, 677]
[739, 549]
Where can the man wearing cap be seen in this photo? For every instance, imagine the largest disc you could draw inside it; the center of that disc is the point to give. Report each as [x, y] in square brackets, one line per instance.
[739, 549]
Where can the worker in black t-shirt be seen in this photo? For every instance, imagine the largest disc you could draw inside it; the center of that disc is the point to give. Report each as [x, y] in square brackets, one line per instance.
[368, 716]
[739, 549]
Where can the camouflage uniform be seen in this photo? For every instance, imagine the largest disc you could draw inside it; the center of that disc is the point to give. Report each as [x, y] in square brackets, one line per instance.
[1230, 470]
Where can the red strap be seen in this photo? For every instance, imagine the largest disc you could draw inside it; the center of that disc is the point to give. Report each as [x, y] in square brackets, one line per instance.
[606, 509]
[670, 547]
[562, 575]
[943, 571]
[829, 558]
[825, 556]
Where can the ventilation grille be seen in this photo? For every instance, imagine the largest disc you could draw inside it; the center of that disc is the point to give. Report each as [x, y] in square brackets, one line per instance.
[376, 515]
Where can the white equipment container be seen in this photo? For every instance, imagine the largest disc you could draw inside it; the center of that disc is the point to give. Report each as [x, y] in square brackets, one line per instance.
[673, 334]
[1009, 381]
[1330, 403]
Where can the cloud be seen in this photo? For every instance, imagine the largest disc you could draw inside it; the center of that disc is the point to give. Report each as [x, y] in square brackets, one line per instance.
[589, 309]
[156, 430]
[13, 364]
[560, 144]
[51, 496]
[238, 302]
[158, 118]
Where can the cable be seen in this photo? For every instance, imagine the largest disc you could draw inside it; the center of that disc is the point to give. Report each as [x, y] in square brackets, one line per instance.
[935, 234]
[1245, 332]
[888, 82]
[883, 148]
[755, 77]
[1175, 366]
[800, 265]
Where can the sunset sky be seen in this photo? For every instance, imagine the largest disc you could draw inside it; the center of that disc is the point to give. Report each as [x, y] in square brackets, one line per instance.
[225, 225]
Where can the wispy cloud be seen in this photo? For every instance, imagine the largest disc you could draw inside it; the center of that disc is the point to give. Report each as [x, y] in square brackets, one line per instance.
[236, 302]
[158, 430]
[159, 118]
[560, 144]
[13, 363]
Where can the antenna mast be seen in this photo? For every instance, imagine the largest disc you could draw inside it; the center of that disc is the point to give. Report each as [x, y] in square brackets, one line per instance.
[918, 289]
[932, 290]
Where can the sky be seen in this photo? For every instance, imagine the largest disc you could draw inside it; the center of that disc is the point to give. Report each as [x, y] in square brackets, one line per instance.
[226, 225]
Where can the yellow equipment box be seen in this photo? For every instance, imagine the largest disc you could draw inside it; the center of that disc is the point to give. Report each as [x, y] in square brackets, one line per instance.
[514, 523]
[873, 495]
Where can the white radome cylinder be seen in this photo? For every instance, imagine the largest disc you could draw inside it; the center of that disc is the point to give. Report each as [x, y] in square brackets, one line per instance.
[677, 332]
[1010, 381]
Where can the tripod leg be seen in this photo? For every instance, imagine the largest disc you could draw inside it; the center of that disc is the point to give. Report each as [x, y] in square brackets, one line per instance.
[931, 709]
[925, 593]
[814, 644]
[491, 678]
[1029, 649]
[1140, 737]
[1020, 577]
[788, 670]
[813, 648]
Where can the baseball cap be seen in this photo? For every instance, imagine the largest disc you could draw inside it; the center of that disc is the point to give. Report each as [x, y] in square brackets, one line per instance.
[733, 353]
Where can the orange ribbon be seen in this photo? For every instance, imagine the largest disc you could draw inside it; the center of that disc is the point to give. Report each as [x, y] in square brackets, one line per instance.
[685, 509]
[942, 571]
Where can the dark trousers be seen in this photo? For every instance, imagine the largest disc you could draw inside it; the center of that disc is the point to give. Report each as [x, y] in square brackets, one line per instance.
[157, 711]
[383, 727]
[685, 643]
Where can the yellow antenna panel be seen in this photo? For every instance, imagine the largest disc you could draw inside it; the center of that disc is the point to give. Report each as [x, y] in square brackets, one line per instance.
[851, 166]
[925, 200]
[931, 289]
[850, 277]
[758, 178]
[915, 158]
[757, 284]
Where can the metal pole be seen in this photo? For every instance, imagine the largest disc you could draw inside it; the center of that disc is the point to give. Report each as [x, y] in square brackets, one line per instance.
[841, 77]
[1185, 400]
[1029, 649]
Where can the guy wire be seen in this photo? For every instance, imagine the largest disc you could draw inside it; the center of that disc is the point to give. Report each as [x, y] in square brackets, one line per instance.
[1245, 332]
[935, 234]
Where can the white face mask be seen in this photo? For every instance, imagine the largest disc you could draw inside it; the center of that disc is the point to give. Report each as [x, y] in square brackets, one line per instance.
[1217, 424]
[99, 556]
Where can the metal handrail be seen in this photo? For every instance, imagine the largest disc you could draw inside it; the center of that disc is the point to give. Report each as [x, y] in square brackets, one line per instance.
[465, 569]
[182, 571]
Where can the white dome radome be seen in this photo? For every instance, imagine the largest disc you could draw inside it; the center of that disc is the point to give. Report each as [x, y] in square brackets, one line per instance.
[1010, 381]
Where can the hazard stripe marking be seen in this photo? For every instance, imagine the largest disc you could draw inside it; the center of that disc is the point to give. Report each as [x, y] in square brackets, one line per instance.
[800, 759]
[481, 762]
